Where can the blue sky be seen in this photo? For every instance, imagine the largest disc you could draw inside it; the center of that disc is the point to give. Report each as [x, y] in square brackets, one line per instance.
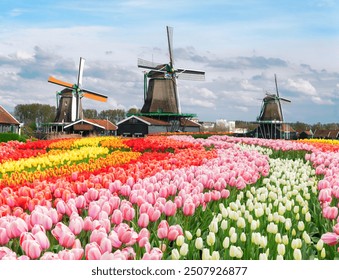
[239, 44]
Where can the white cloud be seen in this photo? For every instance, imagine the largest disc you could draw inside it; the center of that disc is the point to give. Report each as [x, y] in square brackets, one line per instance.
[302, 86]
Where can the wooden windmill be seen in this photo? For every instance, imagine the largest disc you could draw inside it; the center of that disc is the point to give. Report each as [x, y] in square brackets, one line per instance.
[69, 99]
[270, 119]
[161, 94]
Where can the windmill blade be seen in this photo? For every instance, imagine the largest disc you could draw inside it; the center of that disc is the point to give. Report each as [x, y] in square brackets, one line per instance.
[187, 74]
[170, 43]
[176, 94]
[81, 70]
[284, 99]
[53, 80]
[276, 84]
[94, 95]
[142, 63]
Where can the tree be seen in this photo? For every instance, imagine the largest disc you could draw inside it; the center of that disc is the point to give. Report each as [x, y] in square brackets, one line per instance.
[90, 113]
[133, 110]
[35, 113]
[113, 115]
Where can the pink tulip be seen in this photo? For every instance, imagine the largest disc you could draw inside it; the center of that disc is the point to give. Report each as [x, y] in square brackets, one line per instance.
[117, 217]
[143, 220]
[113, 236]
[49, 256]
[330, 213]
[174, 231]
[4, 252]
[32, 248]
[97, 235]
[92, 251]
[91, 195]
[154, 254]
[170, 208]
[163, 228]
[129, 253]
[105, 245]
[76, 224]
[128, 212]
[3, 236]
[94, 210]
[114, 202]
[330, 238]
[88, 224]
[188, 208]
[325, 195]
[80, 202]
[336, 228]
[64, 235]
[42, 239]
[154, 214]
[66, 255]
[16, 227]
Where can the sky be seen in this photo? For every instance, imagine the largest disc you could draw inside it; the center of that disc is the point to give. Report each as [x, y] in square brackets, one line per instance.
[240, 44]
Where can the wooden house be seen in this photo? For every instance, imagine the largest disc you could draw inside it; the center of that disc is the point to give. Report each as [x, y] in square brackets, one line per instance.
[7, 122]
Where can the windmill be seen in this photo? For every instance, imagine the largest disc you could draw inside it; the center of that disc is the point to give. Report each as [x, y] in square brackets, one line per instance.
[161, 94]
[69, 99]
[270, 119]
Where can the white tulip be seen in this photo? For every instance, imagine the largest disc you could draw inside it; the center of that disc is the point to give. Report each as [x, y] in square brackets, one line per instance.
[226, 242]
[175, 254]
[199, 243]
[183, 249]
[297, 254]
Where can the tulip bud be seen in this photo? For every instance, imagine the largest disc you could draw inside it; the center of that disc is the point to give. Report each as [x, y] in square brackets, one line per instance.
[243, 237]
[210, 238]
[224, 224]
[183, 249]
[297, 254]
[306, 238]
[198, 232]
[278, 238]
[215, 256]
[206, 254]
[281, 249]
[241, 222]
[262, 256]
[226, 242]
[280, 258]
[234, 237]
[180, 240]
[285, 240]
[199, 244]
[188, 235]
[320, 245]
[175, 254]
[301, 225]
[323, 253]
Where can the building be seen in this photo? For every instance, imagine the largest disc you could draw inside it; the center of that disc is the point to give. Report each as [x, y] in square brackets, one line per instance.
[326, 134]
[139, 126]
[83, 127]
[7, 122]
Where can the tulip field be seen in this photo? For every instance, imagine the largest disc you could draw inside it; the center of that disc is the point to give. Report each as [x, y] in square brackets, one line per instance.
[173, 197]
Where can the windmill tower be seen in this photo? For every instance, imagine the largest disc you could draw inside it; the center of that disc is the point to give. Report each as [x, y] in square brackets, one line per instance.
[161, 97]
[69, 107]
[270, 119]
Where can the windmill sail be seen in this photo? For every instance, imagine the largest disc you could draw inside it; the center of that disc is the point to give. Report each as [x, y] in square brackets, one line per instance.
[70, 108]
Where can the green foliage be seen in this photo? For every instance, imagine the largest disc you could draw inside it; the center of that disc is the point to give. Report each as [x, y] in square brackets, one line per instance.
[5, 137]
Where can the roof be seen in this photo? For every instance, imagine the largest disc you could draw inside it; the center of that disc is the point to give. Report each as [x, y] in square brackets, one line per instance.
[104, 124]
[287, 128]
[326, 133]
[146, 120]
[108, 125]
[187, 122]
[7, 118]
